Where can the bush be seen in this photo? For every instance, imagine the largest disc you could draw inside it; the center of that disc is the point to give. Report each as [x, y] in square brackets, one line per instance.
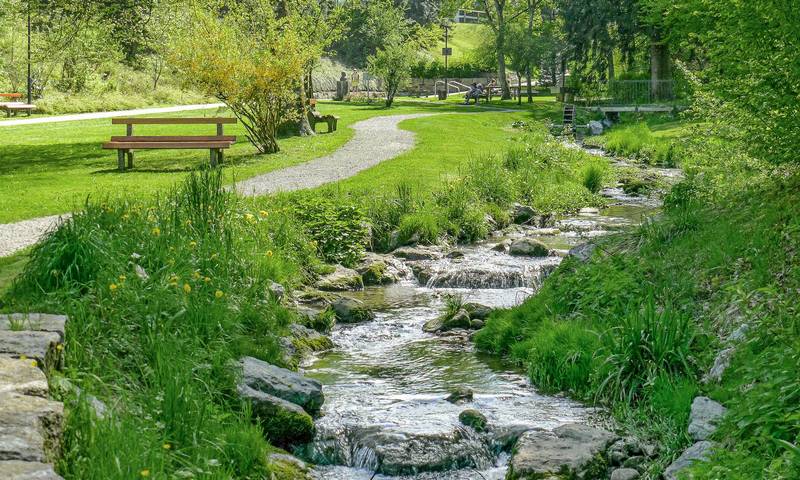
[423, 226]
[593, 175]
[339, 229]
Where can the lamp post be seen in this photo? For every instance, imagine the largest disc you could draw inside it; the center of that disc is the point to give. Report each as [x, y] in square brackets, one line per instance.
[30, 82]
[446, 52]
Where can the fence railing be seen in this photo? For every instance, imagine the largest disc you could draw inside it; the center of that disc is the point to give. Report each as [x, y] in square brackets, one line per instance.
[640, 92]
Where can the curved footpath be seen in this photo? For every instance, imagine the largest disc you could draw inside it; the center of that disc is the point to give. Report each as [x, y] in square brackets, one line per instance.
[119, 113]
[377, 139]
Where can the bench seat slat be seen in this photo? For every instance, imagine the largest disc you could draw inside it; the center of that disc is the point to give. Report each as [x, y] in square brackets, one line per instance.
[179, 138]
[173, 121]
[176, 145]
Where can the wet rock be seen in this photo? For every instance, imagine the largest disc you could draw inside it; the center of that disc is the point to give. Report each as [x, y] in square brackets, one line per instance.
[572, 450]
[476, 324]
[39, 322]
[473, 419]
[321, 321]
[340, 280]
[40, 346]
[545, 231]
[529, 247]
[522, 214]
[417, 253]
[315, 298]
[474, 276]
[276, 291]
[617, 453]
[443, 323]
[595, 127]
[350, 310]
[282, 383]
[583, 252]
[455, 254]
[589, 211]
[704, 416]
[505, 437]
[20, 376]
[634, 462]
[283, 466]
[30, 428]
[284, 423]
[477, 311]
[374, 274]
[698, 452]
[460, 395]
[19, 470]
[625, 474]
[301, 342]
[502, 246]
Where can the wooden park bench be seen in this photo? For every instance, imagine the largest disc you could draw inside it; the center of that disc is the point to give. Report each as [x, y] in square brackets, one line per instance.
[127, 144]
[14, 105]
[315, 117]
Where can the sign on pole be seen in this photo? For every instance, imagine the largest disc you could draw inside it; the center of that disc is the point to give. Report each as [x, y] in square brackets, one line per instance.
[447, 51]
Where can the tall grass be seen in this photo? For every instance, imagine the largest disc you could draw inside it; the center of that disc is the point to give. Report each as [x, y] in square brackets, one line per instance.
[638, 141]
[161, 298]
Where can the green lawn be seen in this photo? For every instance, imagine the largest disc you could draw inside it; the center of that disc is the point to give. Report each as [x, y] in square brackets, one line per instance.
[52, 168]
[464, 38]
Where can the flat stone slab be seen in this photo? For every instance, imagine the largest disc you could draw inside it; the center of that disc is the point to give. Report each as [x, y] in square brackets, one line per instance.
[20, 376]
[30, 428]
[18, 470]
[40, 346]
[41, 322]
[282, 383]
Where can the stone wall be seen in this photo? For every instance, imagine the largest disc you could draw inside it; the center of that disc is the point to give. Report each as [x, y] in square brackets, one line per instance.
[31, 346]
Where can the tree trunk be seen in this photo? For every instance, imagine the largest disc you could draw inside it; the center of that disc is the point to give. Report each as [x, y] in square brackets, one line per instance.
[530, 91]
[660, 68]
[610, 60]
[501, 49]
[519, 88]
[304, 127]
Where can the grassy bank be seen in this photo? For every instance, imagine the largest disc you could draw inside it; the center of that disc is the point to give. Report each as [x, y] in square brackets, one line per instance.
[637, 326]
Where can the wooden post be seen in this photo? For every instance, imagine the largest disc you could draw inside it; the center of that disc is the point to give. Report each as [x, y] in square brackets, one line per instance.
[121, 160]
[219, 129]
[220, 156]
[213, 153]
[129, 130]
[130, 158]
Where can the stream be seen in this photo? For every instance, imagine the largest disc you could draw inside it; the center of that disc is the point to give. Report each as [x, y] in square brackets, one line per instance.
[386, 381]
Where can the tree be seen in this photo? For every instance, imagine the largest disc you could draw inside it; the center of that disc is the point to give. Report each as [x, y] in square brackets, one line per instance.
[392, 64]
[250, 60]
[495, 11]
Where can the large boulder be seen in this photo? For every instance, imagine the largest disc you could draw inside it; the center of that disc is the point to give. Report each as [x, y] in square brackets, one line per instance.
[460, 395]
[418, 253]
[284, 423]
[574, 450]
[40, 322]
[30, 428]
[282, 383]
[445, 323]
[340, 280]
[473, 418]
[351, 310]
[704, 416]
[477, 311]
[529, 247]
[378, 269]
[595, 127]
[523, 214]
[698, 452]
[625, 474]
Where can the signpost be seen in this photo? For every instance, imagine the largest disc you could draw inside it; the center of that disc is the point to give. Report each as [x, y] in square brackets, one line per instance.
[446, 52]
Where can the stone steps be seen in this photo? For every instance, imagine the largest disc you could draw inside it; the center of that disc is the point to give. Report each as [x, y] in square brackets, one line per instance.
[31, 345]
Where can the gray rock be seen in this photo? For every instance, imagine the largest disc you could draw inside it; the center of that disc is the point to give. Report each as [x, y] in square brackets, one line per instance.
[40, 322]
[529, 247]
[20, 376]
[40, 346]
[276, 290]
[703, 419]
[505, 437]
[502, 246]
[282, 383]
[634, 462]
[572, 450]
[284, 423]
[545, 231]
[476, 324]
[624, 474]
[417, 253]
[455, 254]
[700, 451]
[477, 311]
[443, 324]
[583, 252]
[19, 470]
[522, 214]
[340, 280]
[739, 334]
[589, 211]
[617, 453]
[473, 418]
[607, 123]
[595, 127]
[721, 363]
[351, 310]
[30, 428]
[460, 395]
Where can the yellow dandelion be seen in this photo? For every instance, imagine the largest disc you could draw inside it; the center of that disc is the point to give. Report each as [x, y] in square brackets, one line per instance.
[122, 278]
[34, 364]
[23, 357]
[264, 213]
[219, 294]
[166, 446]
[156, 231]
[269, 253]
[187, 288]
[207, 279]
[60, 347]
[188, 223]
[145, 473]
[249, 217]
[196, 275]
[192, 244]
[113, 287]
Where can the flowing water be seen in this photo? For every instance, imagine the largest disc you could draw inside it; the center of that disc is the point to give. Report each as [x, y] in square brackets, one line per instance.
[386, 381]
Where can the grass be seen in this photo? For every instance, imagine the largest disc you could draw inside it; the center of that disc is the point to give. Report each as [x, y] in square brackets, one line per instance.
[464, 38]
[637, 326]
[10, 267]
[55, 167]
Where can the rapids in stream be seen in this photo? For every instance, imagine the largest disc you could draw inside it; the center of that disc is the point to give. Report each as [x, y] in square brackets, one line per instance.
[386, 381]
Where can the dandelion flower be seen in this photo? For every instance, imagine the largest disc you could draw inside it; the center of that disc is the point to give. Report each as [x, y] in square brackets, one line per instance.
[192, 244]
[23, 357]
[156, 232]
[269, 253]
[187, 288]
[145, 473]
[122, 278]
[60, 347]
[219, 294]
[207, 279]
[196, 275]
[113, 287]
[166, 446]
[249, 217]
[264, 213]
[34, 364]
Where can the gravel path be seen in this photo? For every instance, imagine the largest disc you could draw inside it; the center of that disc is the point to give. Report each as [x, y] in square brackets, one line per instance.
[96, 115]
[377, 139]
[16, 236]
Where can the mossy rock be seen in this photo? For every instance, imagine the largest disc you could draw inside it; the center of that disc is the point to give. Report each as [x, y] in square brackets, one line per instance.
[287, 467]
[473, 419]
[284, 423]
[350, 310]
[374, 274]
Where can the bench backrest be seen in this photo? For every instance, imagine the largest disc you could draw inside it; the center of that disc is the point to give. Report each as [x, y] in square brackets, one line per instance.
[11, 95]
[218, 121]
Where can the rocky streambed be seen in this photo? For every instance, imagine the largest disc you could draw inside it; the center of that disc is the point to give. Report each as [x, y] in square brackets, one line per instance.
[408, 396]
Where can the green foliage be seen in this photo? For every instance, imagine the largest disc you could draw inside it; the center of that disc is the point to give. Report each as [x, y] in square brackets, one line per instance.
[422, 226]
[392, 64]
[637, 141]
[593, 174]
[339, 229]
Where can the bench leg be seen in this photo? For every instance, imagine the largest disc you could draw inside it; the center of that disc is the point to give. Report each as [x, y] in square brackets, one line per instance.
[335, 122]
[121, 160]
[130, 158]
[213, 154]
[220, 156]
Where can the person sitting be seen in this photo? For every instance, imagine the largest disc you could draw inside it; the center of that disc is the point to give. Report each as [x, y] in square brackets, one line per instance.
[471, 93]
